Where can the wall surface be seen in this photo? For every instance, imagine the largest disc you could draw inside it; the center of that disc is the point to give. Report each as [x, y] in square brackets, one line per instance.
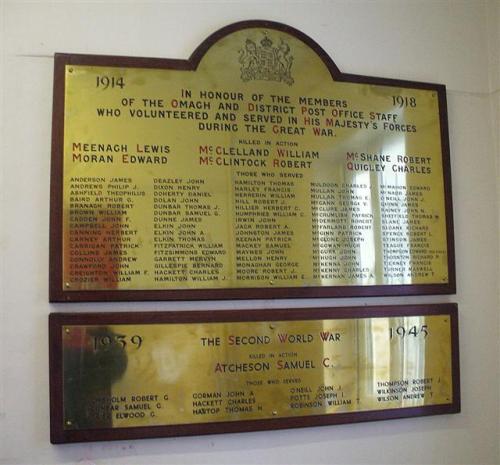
[450, 42]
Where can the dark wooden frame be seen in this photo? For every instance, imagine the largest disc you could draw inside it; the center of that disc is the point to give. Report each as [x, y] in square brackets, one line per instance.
[58, 294]
[58, 320]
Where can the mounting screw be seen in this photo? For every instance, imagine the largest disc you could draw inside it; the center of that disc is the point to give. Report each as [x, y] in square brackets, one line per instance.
[67, 285]
[272, 326]
[66, 330]
[275, 412]
[69, 423]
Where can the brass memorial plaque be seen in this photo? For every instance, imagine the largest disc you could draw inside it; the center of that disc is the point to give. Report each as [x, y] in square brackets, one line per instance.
[191, 373]
[256, 168]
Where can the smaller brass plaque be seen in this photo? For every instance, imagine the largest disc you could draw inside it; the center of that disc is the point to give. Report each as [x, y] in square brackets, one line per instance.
[143, 375]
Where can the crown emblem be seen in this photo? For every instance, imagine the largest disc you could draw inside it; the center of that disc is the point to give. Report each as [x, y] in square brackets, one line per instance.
[266, 41]
[266, 63]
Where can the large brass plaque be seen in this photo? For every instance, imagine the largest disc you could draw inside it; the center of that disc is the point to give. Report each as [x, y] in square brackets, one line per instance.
[194, 373]
[255, 168]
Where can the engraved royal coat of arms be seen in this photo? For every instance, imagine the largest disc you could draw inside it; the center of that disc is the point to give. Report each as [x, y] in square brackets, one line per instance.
[266, 63]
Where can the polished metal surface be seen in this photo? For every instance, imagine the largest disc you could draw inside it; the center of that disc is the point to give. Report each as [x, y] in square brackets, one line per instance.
[168, 374]
[247, 173]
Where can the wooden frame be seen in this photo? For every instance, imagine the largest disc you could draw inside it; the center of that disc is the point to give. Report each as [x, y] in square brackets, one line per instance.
[58, 294]
[58, 320]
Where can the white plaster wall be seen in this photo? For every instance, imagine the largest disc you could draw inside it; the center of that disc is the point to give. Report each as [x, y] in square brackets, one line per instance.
[451, 42]
[494, 41]
[494, 47]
